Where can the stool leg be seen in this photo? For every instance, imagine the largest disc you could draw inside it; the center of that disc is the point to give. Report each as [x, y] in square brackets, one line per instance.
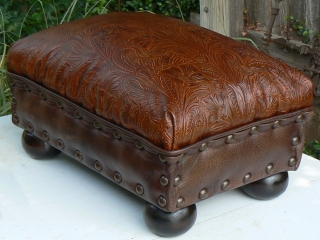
[37, 148]
[167, 224]
[269, 187]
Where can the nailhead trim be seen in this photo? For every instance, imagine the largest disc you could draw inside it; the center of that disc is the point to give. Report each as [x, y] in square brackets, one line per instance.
[98, 166]
[15, 117]
[247, 178]
[225, 185]
[45, 136]
[203, 147]
[139, 189]
[21, 82]
[230, 139]
[162, 158]
[203, 194]
[177, 181]
[116, 134]
[164, 181]
[43, 96]
[162, 201]
[77, 114]
[14, 101]
[300, 118]
[139, 144]
[60, 144]
[97, 125]
[276, 124]
[295, 141]
[270, 168]
[254, 130]
[78, 155]
[30, 127]
[59, 104]
[117, 177]
[292, 162]
[180, 202]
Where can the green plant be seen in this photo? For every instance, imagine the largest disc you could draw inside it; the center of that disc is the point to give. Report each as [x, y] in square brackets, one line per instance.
[300, 28]
[312, 148]
[19, 18]
[5, 97]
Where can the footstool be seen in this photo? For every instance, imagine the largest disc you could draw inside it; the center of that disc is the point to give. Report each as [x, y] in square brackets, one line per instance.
[170, 111]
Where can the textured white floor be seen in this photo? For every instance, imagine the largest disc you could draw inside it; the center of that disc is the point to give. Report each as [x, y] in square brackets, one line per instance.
[62, 199]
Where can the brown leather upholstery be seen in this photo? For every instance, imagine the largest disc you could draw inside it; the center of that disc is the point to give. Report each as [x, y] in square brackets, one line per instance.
[172, 82]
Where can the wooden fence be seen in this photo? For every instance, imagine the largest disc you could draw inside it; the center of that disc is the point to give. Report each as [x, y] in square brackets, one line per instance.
[226, 16]
[260, 11]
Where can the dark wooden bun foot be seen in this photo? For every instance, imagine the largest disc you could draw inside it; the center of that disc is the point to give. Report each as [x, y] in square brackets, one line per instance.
[269, 187]
[36, 147]
[168, 224]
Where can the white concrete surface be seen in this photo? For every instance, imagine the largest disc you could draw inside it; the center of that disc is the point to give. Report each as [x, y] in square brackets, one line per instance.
[62, 199]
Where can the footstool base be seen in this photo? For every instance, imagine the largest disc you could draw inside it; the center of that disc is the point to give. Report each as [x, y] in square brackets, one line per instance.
[170, 180]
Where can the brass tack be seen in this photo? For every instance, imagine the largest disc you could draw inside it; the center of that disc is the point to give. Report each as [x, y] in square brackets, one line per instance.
[45, 136]
[162, 158]
[117, 177]
[60, 144]
[98, 166]
[15, 117]
[203, 194]
[300, 119]
[11, 82]
[14, 100]
[254, 130]
[225, 185]
[30, 127]
[139, 189]
[270, 168]
[230, 139]
[139, 144]
[27, 87]
[247, 178]
[292, 161]
[203, 147]
[164, 181]
[180, 202]
[295, 141]
[43, 96]
[97, 125]
[77, 114]
[162, 201]
[276, 124]
[59, 104]
[177, 181]
[116, 134]
[78, 155]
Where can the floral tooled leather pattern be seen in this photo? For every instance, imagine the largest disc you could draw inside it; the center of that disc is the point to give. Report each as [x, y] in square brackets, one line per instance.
[170, 81]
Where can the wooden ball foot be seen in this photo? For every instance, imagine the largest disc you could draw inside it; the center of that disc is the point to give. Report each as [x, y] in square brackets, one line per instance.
[168, 224]
[269, 187]
[37, 148]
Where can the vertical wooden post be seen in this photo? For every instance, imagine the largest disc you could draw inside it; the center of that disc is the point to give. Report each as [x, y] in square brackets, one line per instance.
[222, 16]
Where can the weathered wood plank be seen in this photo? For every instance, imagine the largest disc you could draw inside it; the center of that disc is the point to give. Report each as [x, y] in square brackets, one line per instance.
[313, 15]
[260, 11]
[222, 16]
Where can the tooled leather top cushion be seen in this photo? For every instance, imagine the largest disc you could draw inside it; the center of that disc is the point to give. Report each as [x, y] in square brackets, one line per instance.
[170, 81]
